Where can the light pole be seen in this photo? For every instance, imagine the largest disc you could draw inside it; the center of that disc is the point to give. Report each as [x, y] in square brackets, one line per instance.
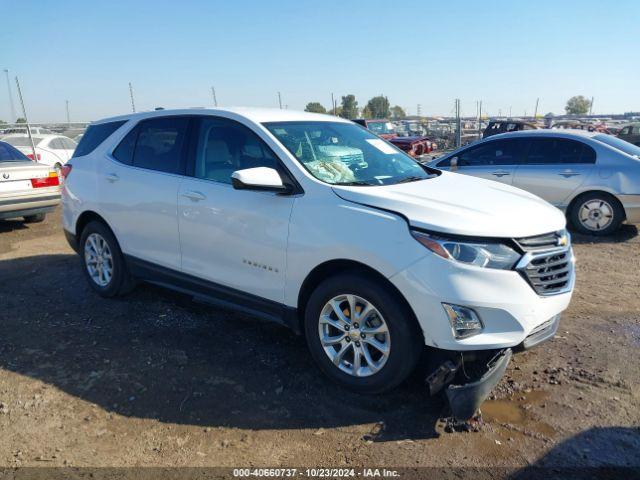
[11, 105]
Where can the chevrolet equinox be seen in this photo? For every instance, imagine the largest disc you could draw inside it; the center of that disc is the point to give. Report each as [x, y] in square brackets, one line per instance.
[311, 221]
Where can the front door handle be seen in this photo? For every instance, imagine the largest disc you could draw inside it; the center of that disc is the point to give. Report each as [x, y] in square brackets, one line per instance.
[568, 173]
[500, 173]
[112, 177]
[194, 196]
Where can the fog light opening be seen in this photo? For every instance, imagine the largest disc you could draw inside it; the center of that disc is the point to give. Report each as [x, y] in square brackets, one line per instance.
[464, 321]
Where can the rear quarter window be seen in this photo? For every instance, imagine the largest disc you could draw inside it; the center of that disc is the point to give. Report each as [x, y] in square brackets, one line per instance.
[94, 136]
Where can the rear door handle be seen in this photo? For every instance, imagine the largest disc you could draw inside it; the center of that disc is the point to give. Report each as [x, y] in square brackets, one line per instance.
[194, 196]
[568, 174]
[112, 177]
[500, 173]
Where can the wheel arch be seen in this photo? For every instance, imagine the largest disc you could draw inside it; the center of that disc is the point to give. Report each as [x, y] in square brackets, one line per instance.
[338, 266]
[88, 216]
[578, 195]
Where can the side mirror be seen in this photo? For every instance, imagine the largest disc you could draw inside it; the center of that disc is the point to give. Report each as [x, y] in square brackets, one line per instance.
[453, 164]
[259, 178]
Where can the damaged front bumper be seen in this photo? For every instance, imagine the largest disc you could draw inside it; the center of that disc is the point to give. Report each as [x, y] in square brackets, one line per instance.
[465, 397]
[469, 377]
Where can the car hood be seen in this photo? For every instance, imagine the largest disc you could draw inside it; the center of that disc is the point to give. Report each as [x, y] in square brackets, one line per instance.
[463, 205]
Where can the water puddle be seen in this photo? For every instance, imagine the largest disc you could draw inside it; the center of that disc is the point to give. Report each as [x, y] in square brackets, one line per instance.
[512, 412]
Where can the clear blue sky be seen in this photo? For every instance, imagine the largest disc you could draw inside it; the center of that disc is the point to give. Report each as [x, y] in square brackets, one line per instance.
[506, 53]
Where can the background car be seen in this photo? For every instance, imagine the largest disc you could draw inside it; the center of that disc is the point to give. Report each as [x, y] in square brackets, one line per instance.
[27, 189]
[413, 145]
[23, 131]
[631, 133]
[592, 176]
[503, 126]
[52, 150]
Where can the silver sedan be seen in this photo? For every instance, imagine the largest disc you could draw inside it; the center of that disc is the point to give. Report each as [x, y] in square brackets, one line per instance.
[593, 177]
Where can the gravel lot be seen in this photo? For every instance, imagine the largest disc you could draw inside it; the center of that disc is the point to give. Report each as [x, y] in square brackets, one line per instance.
[154, 379]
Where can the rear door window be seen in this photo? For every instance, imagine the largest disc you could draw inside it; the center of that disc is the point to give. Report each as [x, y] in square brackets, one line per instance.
[159, 145]
[156, 144]
[559, 151]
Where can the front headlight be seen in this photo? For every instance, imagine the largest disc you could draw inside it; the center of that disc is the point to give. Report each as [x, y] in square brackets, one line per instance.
[481, 253]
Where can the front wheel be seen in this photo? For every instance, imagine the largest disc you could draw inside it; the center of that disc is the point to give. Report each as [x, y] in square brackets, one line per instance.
[360, 334]
[596, 213]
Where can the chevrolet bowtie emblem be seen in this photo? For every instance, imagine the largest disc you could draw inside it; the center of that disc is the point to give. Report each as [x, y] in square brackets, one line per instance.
[562, 241]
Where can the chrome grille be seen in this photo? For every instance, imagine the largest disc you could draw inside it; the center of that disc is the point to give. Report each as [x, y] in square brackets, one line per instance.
[542, 242]
[548, 272]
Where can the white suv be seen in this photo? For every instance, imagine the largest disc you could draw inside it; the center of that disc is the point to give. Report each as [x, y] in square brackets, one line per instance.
[314, 222]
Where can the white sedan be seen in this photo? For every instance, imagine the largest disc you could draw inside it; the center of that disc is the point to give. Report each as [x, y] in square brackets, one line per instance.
[27, 189]
[52, 150]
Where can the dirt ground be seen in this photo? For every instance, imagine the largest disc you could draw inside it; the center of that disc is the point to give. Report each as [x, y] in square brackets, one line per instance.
[154, 379]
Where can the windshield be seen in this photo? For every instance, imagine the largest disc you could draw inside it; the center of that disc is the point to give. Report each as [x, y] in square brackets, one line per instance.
[10, 154]
[618, 143]
[346, 154]
[381, 127]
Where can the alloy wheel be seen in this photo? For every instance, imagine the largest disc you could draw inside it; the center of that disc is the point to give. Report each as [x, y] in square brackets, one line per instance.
[98, 259]
[354, 335]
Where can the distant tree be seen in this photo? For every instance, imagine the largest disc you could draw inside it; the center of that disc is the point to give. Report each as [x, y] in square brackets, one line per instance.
[336, 111]
[349, 107]
[2, 122]
[578, 105]
[379, 107]
[21, 120]
[398, 112]
[315, 107]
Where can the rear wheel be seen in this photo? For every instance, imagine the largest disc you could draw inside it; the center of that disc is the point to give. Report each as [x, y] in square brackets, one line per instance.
[360, 334]
[103, 262]
[37, 218]
[596, 213]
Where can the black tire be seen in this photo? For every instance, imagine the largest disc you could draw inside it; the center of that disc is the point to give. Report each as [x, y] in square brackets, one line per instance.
[613, 208]
[37, 218]
[406, 340]
[121, 281]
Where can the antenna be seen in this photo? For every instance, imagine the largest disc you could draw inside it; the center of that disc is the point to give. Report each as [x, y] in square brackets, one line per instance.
[215, 100]
[280, 100]
[133, 105]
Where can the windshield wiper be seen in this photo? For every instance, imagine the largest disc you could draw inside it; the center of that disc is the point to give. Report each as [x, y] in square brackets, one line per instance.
[411, 179]
[357, 182]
